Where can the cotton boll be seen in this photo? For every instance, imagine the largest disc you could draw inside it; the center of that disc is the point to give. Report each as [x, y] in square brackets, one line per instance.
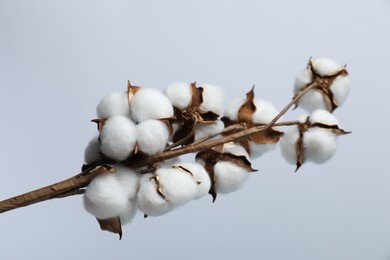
[324, 117]
[302, 80]
[179, 94]
[128, 179]
[258, 150]
[235, 149]
[232, 109]
[229, 177]
[265, 112]
[326, 66]
[104, 197]
[152, 136]
[312, 100]
[212, 99]
[200, 176]
[149, 200]
[118, 138]
[149, 103]
[179, 187]
[319, 145]
[288, 144]
[340, 89]
[208, 129]
[114, 104]
[92, 151]
[129, 212]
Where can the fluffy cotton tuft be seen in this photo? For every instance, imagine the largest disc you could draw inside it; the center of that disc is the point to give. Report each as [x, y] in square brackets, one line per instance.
[104, 197]
[340, 89]
[149, 200]
[149, 103]
[114, 104]
[303, 78]
[152, 136]
[257, 150]
[200, 175]
[235, 149]
[229, 177]
[204, 130]
[232, 109]
[265, 112]
[324, 117]
[312, 100]
[179, 94]
[288, 144]
[128, 179]
[92, 151]
[212, 99]
[326, 66]
[118, 138]
[129, 212]
[319, 145]
[179, 187]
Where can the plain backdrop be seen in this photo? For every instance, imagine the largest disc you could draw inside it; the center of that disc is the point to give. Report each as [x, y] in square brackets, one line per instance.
[59, 58]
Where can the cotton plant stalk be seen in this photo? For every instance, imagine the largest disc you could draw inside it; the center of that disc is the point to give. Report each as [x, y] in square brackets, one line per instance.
[133, 163]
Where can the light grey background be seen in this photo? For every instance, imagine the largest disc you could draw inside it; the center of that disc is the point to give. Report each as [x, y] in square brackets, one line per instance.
[58, 58]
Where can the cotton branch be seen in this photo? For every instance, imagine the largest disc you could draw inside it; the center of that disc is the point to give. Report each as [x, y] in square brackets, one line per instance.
[76, 184]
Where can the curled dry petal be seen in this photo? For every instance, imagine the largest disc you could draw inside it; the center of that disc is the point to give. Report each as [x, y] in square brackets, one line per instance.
[112, 225]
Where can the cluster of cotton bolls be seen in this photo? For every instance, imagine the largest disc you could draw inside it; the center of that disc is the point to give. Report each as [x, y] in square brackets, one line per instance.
[314, 138]
[140, 123]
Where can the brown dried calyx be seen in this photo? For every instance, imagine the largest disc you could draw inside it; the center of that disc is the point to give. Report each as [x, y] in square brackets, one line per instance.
[244, 117]
[212, 156]
[188, 119]
[323, 84]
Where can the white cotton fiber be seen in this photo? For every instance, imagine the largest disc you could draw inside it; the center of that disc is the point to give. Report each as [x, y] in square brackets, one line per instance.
[152, 136]
[128, 179]
[114, 104]
[312, 100]
[179, 94]
[235, 149]
[323, 117]
[319, 145]
[231, 111]
[208, 129]
[340, 89]
[303, 78]
[229, 177]
[149, 103]
[118, 138]
[92, 151]
[129, 212]
[326, 66]
[149, 200]
[104, 197]
[288, 144]
[265, 112]
[212, 99]
[200, 176]
[257, 150]
[179, 187]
